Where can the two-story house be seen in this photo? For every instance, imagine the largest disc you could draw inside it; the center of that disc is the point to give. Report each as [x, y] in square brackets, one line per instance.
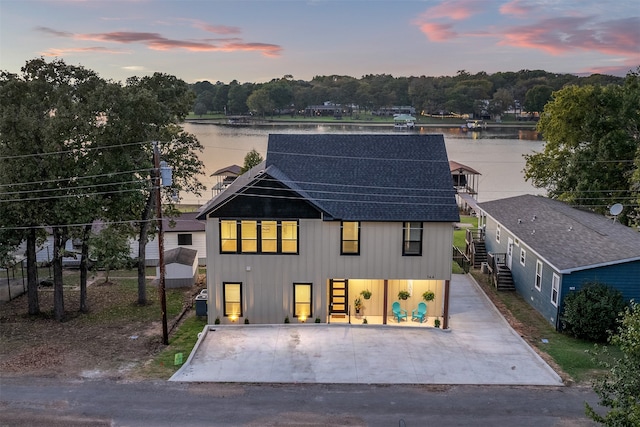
[325, 217]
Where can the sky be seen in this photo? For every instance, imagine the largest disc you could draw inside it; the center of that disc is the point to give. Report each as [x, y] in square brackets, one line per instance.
[257, 41]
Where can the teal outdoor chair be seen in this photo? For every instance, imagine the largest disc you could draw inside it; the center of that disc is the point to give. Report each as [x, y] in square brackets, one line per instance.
[420, 313]
[398, 312]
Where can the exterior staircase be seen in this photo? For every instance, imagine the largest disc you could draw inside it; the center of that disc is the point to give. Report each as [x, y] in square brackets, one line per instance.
[479, 253]
[504, 279]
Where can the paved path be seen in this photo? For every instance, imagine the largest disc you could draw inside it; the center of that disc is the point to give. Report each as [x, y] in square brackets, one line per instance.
[480, 348]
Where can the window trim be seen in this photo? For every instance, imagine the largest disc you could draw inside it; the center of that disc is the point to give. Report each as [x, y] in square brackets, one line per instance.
[258, 239]
[342, 239]
[406, 226]
[523, 257]
[184, 236]
[295, 302]
[538, 280]
[224, 299]
[555, 286]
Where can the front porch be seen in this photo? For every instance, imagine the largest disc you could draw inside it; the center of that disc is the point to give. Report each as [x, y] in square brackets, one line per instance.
[383, 304]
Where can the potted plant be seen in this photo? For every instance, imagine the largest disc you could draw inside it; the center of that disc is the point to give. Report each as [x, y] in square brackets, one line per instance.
[436, 323]
[366, 294]
[428, 296]
[403, 295]
[357, 303]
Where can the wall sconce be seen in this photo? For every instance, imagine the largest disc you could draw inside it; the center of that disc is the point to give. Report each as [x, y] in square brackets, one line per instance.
[234, 317]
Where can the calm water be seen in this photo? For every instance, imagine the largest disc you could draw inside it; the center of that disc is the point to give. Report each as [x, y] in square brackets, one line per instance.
[496, 153]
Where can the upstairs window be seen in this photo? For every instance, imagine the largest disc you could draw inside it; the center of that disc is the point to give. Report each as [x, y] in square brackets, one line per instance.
[412, 238]
[350, 238]
[523, 257]
[258, 237]
[498, 234]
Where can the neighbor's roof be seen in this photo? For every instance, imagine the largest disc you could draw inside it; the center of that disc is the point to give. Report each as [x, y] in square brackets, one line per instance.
[184, 256]
[233, 170]
[459, 168]
[570, 239]
[187, 221]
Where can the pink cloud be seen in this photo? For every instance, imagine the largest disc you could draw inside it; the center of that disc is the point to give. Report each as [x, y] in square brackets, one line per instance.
[456, 10]
[517, 7]
[53, 52]
[438, 32]
[216, 29]
[560, 35]
[156, 41]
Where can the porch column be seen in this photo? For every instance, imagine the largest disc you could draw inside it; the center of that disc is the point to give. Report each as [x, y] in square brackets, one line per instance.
[385, 301]
[445, 311]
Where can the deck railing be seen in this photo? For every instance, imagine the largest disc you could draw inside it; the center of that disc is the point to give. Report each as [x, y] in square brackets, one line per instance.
[461, 259]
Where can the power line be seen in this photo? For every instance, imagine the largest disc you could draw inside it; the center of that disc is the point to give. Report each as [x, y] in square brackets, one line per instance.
[75, 177]
[74, 150]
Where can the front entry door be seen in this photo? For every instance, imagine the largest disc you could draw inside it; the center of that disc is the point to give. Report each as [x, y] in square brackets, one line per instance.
[338, 296]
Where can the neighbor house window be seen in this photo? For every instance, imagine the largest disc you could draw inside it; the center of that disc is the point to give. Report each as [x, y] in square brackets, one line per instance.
[302, 300]
[498, 234]
[228, 237]
[538, 283]
[523, 256]
[232, 297]
[185, 239]
[261, 237]
[412, 238]
[555, 287]
[350, 238]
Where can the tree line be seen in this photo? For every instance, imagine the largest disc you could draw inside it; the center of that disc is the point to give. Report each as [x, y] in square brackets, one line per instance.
[464, 93]
[76, 149]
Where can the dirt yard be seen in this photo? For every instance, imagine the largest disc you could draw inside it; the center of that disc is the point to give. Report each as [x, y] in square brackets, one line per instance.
[109, 341]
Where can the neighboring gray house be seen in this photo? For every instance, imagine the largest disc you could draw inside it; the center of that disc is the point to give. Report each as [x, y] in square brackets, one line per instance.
[552, 249]
[325, 217]
[181, 267]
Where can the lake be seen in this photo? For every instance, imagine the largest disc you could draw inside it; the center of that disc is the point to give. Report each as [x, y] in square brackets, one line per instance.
[497, 153]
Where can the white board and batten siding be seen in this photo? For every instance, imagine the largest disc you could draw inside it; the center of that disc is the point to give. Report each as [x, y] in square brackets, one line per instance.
[268, 280]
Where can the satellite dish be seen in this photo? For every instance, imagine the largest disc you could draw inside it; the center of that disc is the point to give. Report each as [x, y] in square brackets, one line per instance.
[616, 209]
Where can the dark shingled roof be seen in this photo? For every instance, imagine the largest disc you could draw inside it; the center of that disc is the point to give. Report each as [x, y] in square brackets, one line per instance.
[568, 238]
[184, 256]
[187, 221]
[385, 177]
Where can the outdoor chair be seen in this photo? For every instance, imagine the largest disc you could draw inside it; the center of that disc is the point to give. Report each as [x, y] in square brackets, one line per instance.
[419, 313]
[398, 313]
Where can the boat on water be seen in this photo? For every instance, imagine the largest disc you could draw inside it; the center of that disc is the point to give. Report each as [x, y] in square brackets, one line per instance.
[404, 121]
[475, 124]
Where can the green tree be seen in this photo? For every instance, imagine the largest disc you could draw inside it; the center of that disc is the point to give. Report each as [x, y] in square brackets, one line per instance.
[110, 249]
[260, 102]
[253, 158]
[592, 139]
[619, 389]
[537, 97]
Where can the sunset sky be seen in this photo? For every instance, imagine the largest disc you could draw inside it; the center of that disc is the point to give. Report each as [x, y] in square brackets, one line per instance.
[256, 41]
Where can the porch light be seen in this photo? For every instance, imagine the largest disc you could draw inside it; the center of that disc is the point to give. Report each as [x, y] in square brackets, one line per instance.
[303, 318]
[234, 317]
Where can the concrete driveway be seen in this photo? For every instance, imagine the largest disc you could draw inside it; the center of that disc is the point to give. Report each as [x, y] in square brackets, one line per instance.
[480, 348]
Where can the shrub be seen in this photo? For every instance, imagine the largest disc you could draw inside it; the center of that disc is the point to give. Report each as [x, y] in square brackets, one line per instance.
[217, 321]
[246, 321]
[592, 312]
[286, 320]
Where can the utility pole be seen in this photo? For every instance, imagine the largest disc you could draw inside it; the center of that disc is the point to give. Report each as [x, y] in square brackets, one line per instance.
[161, 287]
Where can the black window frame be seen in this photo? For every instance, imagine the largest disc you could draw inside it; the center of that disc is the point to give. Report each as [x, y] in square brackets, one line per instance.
[224, 299]
[259, 239]
[310, 314]
[407, 226]
[342, 239]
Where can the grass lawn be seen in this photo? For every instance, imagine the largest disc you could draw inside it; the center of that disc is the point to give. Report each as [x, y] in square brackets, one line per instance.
[459, 235]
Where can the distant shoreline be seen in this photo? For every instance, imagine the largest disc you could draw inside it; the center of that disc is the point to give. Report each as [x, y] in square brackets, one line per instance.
[224, 122]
